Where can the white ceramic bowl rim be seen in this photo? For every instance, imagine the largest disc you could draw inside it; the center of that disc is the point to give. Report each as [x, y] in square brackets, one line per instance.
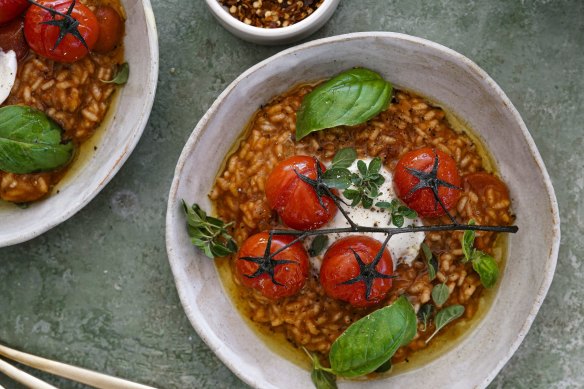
[280, 32]
[203, 329]
[93, 188]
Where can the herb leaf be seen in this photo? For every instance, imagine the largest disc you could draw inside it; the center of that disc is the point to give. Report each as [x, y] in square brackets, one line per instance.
[322, 378]
[445, 317]
[440, 294]
[371, 341]
[207, 233]
[398, 212]
[431, 261]
[385, 367]
[350, 98]
[487, 268]
[121, 76]
[366, 183]
[424, 314]
[468, 242]
[344, 158]
[338, 178]
[30, 141]
[317, 245]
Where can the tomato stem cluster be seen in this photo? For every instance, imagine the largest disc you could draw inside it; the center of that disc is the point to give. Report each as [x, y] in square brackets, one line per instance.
[67, 25]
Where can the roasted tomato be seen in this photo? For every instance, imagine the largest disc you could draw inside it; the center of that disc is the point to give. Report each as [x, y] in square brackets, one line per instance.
[351, 271]
[12, 38]
[10, 9]
[420, 172]
[44, 38]
[111, 29]
[295, 200]
[281, 276]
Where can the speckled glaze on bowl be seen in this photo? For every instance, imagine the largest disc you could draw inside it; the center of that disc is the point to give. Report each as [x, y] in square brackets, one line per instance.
[439, 74]
[128, 116]
[273, 36]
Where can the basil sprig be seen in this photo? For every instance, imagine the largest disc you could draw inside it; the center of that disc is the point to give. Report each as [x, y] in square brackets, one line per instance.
[484, 264]
[207, 233]
[351, 98]
[371, 341]
[30, 141]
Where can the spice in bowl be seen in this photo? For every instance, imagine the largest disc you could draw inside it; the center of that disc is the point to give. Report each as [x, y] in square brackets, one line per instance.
[271, 13]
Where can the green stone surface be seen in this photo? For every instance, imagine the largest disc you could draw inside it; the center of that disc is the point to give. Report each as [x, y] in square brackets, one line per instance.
[97, 291]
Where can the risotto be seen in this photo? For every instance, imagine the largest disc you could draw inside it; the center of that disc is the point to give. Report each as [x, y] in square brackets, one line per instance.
[442, 277]
[74, 94]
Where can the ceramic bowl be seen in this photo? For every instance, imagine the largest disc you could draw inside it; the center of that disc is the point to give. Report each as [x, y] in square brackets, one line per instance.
[113, 143]
[442, 76]
[273, 36]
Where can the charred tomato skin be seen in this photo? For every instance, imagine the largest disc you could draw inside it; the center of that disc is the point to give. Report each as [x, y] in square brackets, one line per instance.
[290, 276]
[10, 9]
[340, 265]
[42, 38]
[422, 200]
[296, 201]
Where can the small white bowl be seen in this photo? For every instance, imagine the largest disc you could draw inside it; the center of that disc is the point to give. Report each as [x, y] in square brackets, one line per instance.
[274, 36]
[128, 116]
[442, 76]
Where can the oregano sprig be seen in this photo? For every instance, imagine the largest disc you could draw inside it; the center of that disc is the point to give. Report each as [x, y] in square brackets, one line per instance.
[398, 211]
[208, 233]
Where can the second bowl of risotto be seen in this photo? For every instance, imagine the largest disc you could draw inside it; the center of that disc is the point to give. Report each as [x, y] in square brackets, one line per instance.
[73, 104]
[368, 202]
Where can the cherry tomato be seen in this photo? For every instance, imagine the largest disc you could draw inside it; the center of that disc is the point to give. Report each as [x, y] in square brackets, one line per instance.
[12, 38]
[111, 29]
[423, 200]
[296, 201]
[281, 276]
[348, 273]
[10, 9]
[42, 37]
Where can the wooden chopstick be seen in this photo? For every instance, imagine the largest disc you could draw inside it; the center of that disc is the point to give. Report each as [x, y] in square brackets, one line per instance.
[22, 377]
[88, 377]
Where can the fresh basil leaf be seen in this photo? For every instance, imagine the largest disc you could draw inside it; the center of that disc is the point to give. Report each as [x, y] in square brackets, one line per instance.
[317, 245]
[121, 76]
[344, 158]
[322, 378]
[468, 242]
[339, 178]
[440, 294]
[486, 267]
[371, 341]
[424, 314]
[385, 367]
[351, 98]
[445, 317]
[30, 141]
[430, 261]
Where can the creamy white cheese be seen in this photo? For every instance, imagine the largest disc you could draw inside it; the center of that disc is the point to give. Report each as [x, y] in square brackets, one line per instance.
[403, 247]
[7, 73]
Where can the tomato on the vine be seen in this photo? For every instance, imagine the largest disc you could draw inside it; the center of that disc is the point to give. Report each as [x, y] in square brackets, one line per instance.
[63, 39]
[296, 201]
[423, 176]
[279, 276]
[353, 271]
[12, 38]
[111, 29]
[10, 9]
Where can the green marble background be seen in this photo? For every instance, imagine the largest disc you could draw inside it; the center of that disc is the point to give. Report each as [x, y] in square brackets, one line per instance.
[97, 291]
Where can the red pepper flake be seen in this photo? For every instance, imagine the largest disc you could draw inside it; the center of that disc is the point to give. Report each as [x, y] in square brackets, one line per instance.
[271, 13]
